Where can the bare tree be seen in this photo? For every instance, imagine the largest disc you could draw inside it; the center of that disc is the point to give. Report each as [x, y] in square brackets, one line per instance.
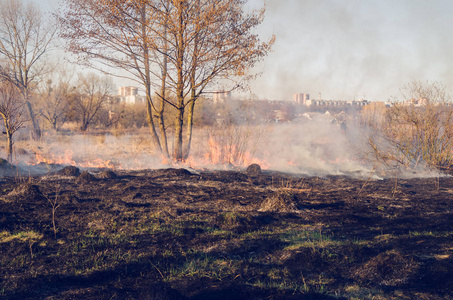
[417, 130]
[92, 95]
[12, 112]
[111, 36]
[24, 39]
[54, 102]
[214, 39]
[176, 48]
[55, 204]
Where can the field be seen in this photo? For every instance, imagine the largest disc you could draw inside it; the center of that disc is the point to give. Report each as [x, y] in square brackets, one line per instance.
[179, 234]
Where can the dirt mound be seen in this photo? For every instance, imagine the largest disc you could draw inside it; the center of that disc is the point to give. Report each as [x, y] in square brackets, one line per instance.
[4, 162]
[107, 175]
[283, 200]
[173, 172]
[390, 268]
[85, 177]
[7, 169]
[438, 273]
[234, 221]
[69, 171]
[226, 176]
[253, 170]
[27, 190]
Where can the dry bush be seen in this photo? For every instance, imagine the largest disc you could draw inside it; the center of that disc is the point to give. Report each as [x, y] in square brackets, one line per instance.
[417, 132]
[131, 115]
[282, 200]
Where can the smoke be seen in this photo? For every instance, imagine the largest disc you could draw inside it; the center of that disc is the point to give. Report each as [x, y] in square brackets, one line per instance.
[123, 152]
[348, 49]
[313, 145]
[316, 145]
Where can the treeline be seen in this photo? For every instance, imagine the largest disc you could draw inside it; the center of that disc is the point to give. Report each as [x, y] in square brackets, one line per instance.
[174, 50]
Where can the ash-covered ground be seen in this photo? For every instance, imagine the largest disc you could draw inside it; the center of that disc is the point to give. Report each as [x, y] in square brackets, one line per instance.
[180, 234]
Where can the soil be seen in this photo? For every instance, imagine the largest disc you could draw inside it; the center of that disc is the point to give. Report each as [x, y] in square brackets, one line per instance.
[185, 234]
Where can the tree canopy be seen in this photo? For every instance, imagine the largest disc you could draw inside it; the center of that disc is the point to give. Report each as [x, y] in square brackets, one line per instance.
[176, 50]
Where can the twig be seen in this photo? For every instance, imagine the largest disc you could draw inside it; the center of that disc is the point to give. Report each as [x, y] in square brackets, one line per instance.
[161, 275]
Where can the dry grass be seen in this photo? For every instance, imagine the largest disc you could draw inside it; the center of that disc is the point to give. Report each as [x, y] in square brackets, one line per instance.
[282, 200]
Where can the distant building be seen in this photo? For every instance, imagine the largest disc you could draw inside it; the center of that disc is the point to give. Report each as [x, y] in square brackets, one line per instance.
[304, 100]
[129, 95]
[359, 102]
[301, 98]
[125, 91]
[221, 97]
[417, 102]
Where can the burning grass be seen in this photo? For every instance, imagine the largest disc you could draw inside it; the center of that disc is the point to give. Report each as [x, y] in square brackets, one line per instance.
[326, 150]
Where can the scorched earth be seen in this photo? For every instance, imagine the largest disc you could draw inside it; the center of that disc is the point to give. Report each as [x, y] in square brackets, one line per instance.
[180, 234]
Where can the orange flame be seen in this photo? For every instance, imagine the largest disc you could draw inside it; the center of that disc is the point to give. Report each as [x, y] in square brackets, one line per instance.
[66, 159]
[228, 154]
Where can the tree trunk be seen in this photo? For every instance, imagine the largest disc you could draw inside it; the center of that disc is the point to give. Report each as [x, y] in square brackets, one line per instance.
[84, 126]
[190, 112]
[36, 134]
[160, 113]
[152, 128]
[147, 82]
[163, 135]
[179, 119]
[9, 149]
[162, 129]
[179, 123]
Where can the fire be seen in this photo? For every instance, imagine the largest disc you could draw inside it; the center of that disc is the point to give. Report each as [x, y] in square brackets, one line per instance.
[218, 154]
[67, 159]
[228, 154]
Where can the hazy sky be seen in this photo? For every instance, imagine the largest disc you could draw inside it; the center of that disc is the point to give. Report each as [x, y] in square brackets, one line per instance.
[350, 49]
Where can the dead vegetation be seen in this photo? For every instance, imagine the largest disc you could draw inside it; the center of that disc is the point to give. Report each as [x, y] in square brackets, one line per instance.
[282, 200]
[416, 132]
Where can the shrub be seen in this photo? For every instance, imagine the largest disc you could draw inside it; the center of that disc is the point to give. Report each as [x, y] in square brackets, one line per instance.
[416, 132]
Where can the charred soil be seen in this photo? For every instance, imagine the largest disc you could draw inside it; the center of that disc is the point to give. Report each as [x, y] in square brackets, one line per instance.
[174, 234]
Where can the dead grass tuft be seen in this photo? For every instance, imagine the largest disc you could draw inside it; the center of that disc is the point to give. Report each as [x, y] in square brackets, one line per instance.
[390, 268]
[233, 221]
[282, 200]
[27, 190]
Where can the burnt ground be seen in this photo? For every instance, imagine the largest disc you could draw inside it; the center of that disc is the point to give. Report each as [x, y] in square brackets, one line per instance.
[172, 234]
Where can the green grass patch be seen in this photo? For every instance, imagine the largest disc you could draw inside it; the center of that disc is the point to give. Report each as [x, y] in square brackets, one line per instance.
[443, 234]
[22, 236]
[203, 265]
